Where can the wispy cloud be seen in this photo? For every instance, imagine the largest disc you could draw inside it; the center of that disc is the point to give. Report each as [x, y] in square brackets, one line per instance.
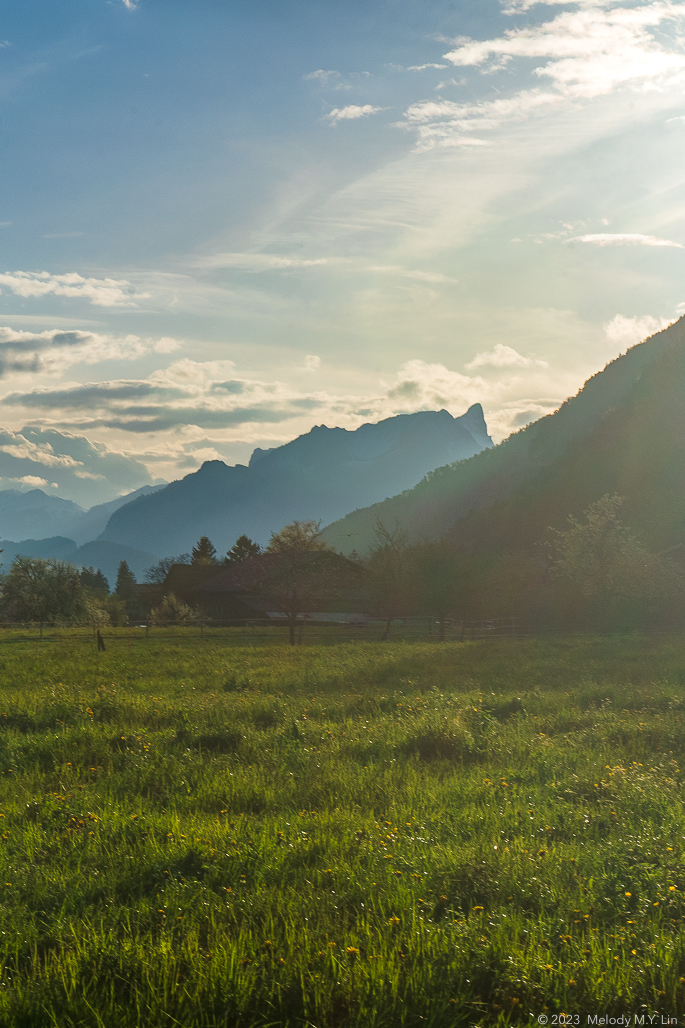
[447, 123]
[351, 112]
[422, 67]
[587, 53]
[259, 261]
[624, 239]
[102, 292]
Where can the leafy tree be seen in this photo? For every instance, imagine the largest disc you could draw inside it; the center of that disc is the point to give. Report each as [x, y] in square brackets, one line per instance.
[599, 555]
[296, 581]
[297, 537]
[43, 590]
[388, 576]
[173, 609]
[157, 572]
[241, 550]
[94, 581]
[204, 552]
[604, 566]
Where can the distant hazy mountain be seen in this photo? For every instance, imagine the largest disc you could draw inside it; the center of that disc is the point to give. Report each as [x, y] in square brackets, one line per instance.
[320, 475]
[38, 515]
[105, 556]
[623, 433]
[92, 522]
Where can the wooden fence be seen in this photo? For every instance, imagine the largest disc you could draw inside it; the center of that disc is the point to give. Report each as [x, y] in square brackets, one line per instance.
[272, 630]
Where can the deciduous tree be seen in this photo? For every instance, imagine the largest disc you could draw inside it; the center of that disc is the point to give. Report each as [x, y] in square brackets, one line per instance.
[43, 590]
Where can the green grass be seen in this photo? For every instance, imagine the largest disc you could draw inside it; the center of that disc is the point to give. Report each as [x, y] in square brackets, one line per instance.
[367, 835]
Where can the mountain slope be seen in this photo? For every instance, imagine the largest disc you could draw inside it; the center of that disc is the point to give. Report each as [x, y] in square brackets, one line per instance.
[320, 475]
[604, 439]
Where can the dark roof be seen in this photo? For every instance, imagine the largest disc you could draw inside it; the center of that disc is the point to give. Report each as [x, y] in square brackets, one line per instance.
[189, 576]
[251, 573]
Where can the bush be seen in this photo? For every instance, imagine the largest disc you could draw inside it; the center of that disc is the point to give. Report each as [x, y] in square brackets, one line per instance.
[173, 609]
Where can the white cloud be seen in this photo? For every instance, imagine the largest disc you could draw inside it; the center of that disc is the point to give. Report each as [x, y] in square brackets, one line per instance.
[54, 350]
[312, 362]
[623, 332]
[102, 292]
[502, 356]
[422, 67]
[592, 50]
[33, 480]
[321, 76]
[25, 449]
[351, 113]
[131, 4]
[624, 239]
[587, 53]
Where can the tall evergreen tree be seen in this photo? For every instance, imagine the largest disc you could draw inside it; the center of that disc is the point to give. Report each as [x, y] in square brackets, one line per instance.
[204, 552]
[126, 586]
[243, 548]
[94, 580]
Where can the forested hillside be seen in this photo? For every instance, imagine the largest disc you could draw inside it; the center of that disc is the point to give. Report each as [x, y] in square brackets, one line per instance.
[622, 433]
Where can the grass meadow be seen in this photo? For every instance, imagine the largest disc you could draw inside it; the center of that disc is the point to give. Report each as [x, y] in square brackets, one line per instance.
[343, 836]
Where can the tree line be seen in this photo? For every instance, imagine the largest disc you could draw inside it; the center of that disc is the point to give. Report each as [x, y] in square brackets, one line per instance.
[594, 573]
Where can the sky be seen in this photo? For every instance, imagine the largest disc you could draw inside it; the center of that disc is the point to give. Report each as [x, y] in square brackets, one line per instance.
[223, 223]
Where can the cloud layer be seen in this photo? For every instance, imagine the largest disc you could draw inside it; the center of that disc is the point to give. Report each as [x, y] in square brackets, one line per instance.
[52, 351]
[101, 292]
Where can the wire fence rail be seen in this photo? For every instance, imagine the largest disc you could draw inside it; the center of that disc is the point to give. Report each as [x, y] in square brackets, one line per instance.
[271, 630]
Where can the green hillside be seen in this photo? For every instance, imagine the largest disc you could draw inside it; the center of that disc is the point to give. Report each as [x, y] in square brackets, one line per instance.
[623, 433]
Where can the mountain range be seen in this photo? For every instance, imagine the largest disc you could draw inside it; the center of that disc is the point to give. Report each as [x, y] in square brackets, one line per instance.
[39, 515]
[319, 476]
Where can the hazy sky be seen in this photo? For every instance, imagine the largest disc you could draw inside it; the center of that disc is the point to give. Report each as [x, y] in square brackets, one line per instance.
[224, 222]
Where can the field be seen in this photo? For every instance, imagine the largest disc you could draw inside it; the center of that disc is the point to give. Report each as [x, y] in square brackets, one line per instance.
[346, 836]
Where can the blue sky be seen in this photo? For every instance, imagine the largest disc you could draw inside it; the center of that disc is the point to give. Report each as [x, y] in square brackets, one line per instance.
[223, 223]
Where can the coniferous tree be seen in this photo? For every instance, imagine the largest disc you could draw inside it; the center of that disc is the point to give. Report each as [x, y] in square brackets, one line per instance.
[95, 581]
[243, 548]
[126, 586]
[204, 552]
